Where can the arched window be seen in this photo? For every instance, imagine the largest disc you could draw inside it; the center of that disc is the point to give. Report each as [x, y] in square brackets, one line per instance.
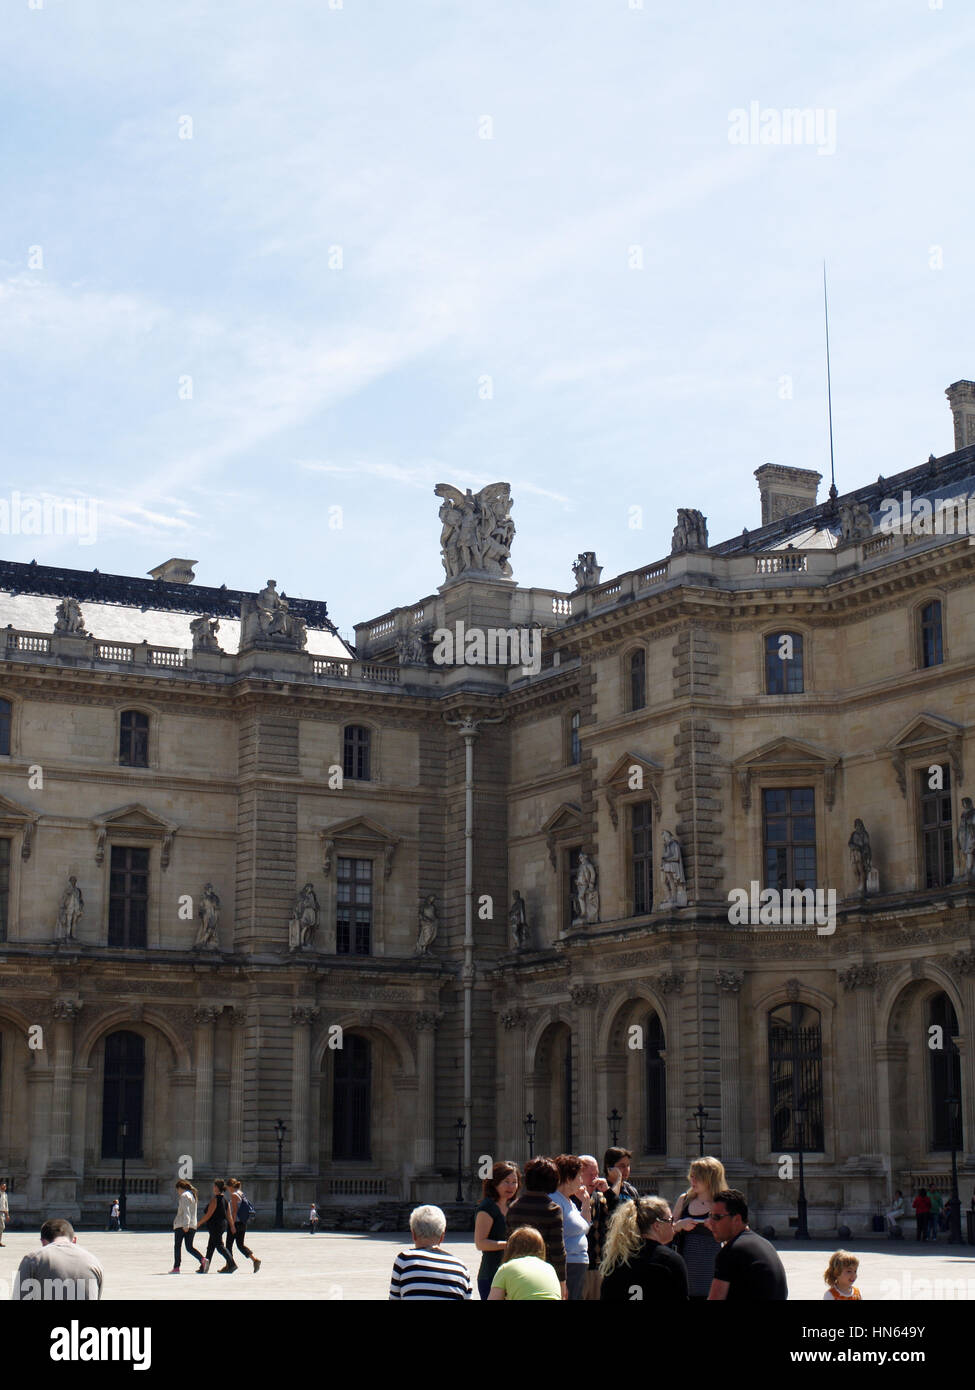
[6, 714]
[945, 1073]
[122, 1094]
[932, 645]
[795, 1052]
[783, 663]
[575, 744]
[352, 1099]
[656, 1086]
[355, 753]
[133, 742]
[638, 679]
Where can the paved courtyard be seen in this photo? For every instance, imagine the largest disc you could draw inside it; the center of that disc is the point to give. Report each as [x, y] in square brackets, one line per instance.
[351, 1266]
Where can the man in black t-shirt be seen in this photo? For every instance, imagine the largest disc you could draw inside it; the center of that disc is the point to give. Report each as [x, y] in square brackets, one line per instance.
[748, 1266]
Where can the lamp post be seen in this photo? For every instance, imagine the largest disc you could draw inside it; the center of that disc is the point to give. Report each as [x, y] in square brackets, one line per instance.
[280, 1129]
[953, 1105]
[614, 1121]
[530, 1133]
[800, 1114]
[701, 1116]
[459, 1129]
[124, 1132]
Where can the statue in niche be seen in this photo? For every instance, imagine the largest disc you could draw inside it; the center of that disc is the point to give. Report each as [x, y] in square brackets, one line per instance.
[68, 621]
[209, 915]
[691, 531]
[518, 922]
[204, 631]
[585, 570]
[861, 856]
[70, 909]
[305, 916]
[672, 872]
[428, 925]
[477, 530]
[586, 900]
[966, 841]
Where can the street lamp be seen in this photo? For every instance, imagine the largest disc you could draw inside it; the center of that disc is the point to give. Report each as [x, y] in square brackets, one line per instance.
[614, 1121]
[701, 1115]
[530, 1123]
[459, 1129]
[280, 1129]
[800, 1115]
[953, 1105]
[124, 1131]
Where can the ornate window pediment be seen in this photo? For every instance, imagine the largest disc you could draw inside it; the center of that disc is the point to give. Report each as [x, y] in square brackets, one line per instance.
[927, 736]
[15, 817]
[633, 775]
[358, 836]
[138, 821]
[787, 757]
[563, 824]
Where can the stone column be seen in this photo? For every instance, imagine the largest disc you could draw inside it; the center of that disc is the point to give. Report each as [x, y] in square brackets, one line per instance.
[512, 1056]
[963, 968]
[302, 1017]
[205, 1018]
[424, 1143]
[585, 997]
[235, 1119]
[676, 1061]
[861, 981]
[64, 1012]
[728, 984]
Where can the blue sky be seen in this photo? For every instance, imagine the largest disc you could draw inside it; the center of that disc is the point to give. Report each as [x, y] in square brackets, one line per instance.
[485, 322]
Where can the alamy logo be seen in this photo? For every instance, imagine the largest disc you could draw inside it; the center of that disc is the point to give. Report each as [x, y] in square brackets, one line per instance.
[808, 125]
[770, 907]
[945, 516]
[492, 646]
[22, 514]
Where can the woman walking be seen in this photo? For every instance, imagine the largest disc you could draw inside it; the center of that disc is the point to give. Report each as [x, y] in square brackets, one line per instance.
[695, 1243]
[240, 1211]
[218, 1218]
[490, 1231]
[184, 1226]
[637, 1256]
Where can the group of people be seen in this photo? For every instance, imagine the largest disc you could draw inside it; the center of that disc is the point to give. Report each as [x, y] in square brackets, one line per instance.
[931, 1214]
[225, 1218]
[566, 1230]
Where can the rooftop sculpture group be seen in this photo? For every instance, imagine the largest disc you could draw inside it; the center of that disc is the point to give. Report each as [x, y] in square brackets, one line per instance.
[477, 530]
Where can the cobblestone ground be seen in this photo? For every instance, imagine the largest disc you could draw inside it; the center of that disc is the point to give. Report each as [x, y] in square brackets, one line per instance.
[298, 1266]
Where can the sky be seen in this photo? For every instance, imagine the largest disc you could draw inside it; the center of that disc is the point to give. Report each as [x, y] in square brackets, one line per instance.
[269, 272]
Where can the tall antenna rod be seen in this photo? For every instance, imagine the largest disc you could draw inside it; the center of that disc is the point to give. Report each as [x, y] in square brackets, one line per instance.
[829, 399]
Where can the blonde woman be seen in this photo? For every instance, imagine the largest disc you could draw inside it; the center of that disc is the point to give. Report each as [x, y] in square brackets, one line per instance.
[184, 1226]
[695, 1242]
[636, 1261]
[525, 1273]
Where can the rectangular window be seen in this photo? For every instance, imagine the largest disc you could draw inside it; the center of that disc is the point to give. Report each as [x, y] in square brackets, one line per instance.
[638, 679]
[575, 745]
[783, 664]
[789, 837]
[128, 897]
[133, 739]
[642, 853]
[5, 718]
[355, 753]
[932, 647]
[572, 908]
[353, 907]
[936, 830]
[4, 887]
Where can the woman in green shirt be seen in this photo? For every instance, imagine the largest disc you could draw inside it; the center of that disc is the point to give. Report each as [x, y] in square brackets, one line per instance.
[525, 1274]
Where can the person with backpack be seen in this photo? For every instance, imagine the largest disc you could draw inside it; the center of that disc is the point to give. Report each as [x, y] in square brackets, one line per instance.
[218, 1218]
[242, 1212]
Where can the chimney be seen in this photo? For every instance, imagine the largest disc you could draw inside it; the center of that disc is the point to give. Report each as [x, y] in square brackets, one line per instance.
[961, 398]
[175, 571]
[785, 490]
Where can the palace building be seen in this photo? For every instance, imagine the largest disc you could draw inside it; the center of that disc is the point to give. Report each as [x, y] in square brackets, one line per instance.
[251, 873]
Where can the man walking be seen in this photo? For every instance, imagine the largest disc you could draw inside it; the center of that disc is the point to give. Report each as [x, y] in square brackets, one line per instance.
[4, 1210]
[61, 1269]
[748, 1267]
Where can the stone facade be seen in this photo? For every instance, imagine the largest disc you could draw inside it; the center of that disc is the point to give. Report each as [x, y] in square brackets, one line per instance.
[370, 1058]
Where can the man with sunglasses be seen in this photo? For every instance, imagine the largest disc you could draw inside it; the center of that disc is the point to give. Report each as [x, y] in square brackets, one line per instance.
[748, 1266]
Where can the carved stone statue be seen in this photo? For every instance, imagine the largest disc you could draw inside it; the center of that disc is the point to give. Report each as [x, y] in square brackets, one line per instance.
[68, 620]
[672, 872]
[966, 841]
[204, 632]
[70, 908]
[209, 915]
[586, 571]
[586, 900]
[855, 522]
[861, 855]
[518, 922]
[691, 531]
[428, 924]
[272, 611]
[411, 648]
[267, 620]
[305, 916]
[477, 530]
